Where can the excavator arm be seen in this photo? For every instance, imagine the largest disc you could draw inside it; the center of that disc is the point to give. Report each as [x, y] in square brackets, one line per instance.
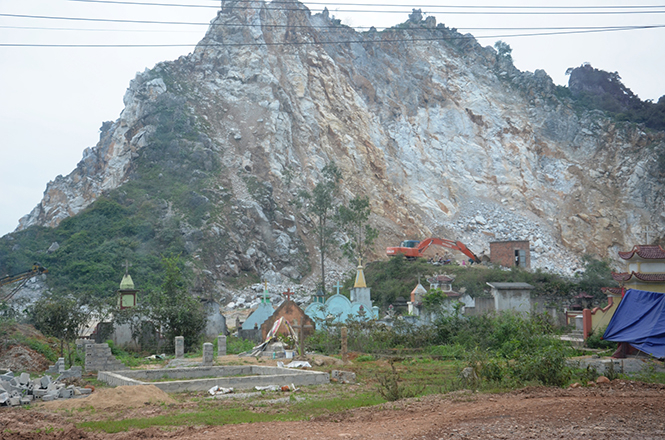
[414, 249]
[450, 244]
[21, 278]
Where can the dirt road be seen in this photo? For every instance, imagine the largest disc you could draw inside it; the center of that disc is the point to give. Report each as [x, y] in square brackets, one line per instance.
[618, 410]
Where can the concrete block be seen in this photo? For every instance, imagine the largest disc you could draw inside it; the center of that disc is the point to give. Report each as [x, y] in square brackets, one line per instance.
[66, 393]
[7, 376]
[74, 372]
[24, 379]
[85, 391]
[39, 393]
[45, 381]
[14, 401]
[49, 397]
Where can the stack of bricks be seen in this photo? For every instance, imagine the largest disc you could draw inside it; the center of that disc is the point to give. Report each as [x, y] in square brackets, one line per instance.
[59, 370]
[98, 357]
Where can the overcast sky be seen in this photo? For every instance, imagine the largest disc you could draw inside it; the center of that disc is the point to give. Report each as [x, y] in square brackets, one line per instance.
[53, 100]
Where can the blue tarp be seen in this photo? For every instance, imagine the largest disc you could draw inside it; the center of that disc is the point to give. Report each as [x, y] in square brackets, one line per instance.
[640, 321]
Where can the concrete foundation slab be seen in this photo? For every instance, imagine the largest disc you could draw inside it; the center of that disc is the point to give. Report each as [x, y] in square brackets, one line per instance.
[204, 378]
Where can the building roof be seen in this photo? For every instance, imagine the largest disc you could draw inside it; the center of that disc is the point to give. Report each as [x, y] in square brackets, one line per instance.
[440, 279]
[419, 289]
[360, 278]
[612, 290]
[127, 283]
[583, 295]
[510, 286]
[624, 276]
[452, 294]
[648, 252]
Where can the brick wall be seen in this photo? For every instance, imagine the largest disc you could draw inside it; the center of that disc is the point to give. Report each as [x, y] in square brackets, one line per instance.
[503, 252]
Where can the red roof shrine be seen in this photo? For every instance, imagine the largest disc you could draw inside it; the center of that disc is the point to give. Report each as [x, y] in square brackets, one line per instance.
[658, 277]
[650, 252]
[612, 290]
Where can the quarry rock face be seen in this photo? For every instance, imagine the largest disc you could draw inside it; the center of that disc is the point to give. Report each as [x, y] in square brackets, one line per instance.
[447, 138]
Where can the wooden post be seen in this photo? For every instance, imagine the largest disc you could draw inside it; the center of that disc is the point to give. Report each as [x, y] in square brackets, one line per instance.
[345, 356]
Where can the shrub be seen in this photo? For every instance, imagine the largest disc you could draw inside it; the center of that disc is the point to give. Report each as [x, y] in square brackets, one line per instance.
[235, 345]
[391, 388]
[547, 366]
[595, 340]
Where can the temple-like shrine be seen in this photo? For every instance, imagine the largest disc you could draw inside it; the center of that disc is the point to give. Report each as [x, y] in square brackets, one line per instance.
[645, 270]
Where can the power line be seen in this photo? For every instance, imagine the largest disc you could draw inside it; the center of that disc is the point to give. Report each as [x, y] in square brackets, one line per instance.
[186, 23]
[592, 7]
[303, 43]
[38, 28]
[104, 20]
[264, 25]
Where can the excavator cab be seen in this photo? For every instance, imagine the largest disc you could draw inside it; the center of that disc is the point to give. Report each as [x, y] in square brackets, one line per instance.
[409, 244]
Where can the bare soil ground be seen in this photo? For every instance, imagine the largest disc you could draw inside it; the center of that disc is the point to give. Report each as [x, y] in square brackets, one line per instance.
[618, 410]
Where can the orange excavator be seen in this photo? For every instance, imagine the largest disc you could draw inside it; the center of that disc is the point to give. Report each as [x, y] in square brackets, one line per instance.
[415, 248]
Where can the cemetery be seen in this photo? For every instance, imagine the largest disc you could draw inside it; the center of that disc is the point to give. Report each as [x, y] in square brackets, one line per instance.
[345, 346]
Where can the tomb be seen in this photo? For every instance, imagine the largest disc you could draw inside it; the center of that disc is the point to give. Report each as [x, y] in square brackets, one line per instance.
[291, 313]
[514, 297]
[251, 327]
[339, 308]
[448, 304]
[127, 292]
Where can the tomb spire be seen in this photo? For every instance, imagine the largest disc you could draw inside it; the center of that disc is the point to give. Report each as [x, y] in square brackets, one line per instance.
[360, 275]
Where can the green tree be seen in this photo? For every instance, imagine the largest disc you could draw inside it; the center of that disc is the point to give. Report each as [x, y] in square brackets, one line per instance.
[323, 205]
[173, 309]
[504, 50]
[597, 274]
[354, 220]
[62, 317]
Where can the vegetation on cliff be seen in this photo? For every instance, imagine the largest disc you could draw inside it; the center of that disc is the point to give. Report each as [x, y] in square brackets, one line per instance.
[147, 217]
[597, 89]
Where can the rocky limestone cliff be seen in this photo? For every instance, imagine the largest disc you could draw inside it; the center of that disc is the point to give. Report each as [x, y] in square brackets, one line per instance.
[446, 137]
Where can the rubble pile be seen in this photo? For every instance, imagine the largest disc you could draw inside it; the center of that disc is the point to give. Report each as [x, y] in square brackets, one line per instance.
[22, 358]
[250, 297]
[481, 221]
[22, 390]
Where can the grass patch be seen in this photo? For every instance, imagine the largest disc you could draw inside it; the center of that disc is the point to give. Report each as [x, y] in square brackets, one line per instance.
[226, 416]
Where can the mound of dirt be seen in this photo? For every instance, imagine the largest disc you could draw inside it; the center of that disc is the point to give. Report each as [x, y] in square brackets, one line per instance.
[124, 397]
[22, 358]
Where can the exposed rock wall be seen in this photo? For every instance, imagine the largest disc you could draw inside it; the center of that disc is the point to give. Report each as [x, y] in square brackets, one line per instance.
[446, 137]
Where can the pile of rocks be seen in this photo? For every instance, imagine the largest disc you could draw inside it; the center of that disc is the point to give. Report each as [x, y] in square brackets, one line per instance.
[250, 297]
[480, 221]
[22, 390]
